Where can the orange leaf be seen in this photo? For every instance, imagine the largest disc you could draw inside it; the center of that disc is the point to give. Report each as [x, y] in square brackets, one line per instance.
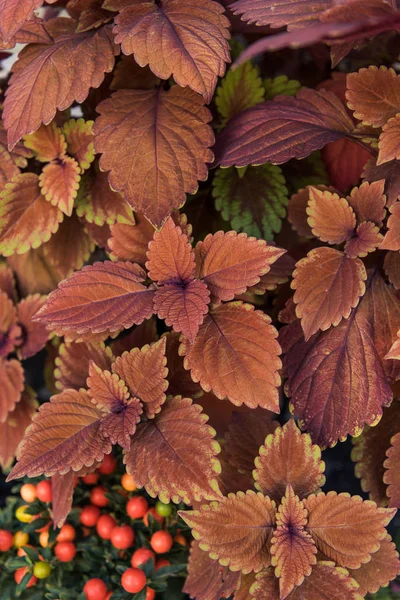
[47, 143]
[237, 531]
[99, 204]
[292, 548]
[170, 255]
[183, 306]
[166, 140]
[76, 440]
[330, 217]
[391, 241]
[392, 476]
[266, 586]
[26, 219]
[382, 568]
[374, 95]
[8, 169]
[367, 240]
[236, 355]
[288, 457]
[34, 272]
[368, 202]
[206, 579]
[130, 241]
[328, 285]
[65, 70]
[143, 370]
[297, 210]
[177, 441]
[369, 454]
[389, 141]
[59, 182]
[229, 263]
[35, 335]
[100, 297]
[12, 381]
[72, 363]
[13, 429]
[246, 583]
[80, 141]
[189, 43]
[345, 528]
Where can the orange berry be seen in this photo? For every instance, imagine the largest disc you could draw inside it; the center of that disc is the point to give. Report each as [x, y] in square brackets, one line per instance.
[180, 539]
[44, 539]
[163, 562]
[95, 589]
[67, 533]
[97, 496]
[6, 540]
[122, 537]
[105, 526]
[152, 511]
[133, 580]
[141, 556]
[44, 491]
[20, 574]
[28, 492]
[65, 551]
[150, 594]
[161, 542]
[137, 507]
[128, 483]
[108, 466]
[89, 515]
[90, 479]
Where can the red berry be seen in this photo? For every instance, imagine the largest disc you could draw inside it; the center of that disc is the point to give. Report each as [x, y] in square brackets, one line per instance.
[161, 542]
[6, 540]
[163, 562]
[67, 533]
[141, 556]
[20, 574]
[137, 507]
[97, 496]
[105, 526]
[133, 580]
[122, 537]
[90, 515]
[95, 589]
[65, 551]
[152, 511]
[108, 466]
[44, 491]
[150, 594]
[90, 479]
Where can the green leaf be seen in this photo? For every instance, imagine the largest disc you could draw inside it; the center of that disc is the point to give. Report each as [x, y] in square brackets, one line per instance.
[253, 199]
[239, 89]
[281, 86]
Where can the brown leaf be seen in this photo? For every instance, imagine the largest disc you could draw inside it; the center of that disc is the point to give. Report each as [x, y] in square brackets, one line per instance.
[367, 240]
[391, 241]
[288, 457]
[390, 172]
[389, 141]
[59, 182]
[34, 272]
[128, 75]
[108, 391]
[52, 76]
[292, 548]
[75, 441]
[237, 531]
[62, 487]
[297, 210]
[170, 255]
[35, 335]
[345, 528]
[99, 204]
[12, 382]
[166, 140]
[278, 13]
[73, 363]
[13, 428]
[392, 477]
[80, 141]
[145, 333]
[327, 286]
[179, 381]
[130, 241]
[14, 14]
[240, 363]
[7, 281]
[392, 268]
[188, 42]
[368, 202]
[380, 570]
[47, 142]
[330, 217]
[144, 372]
[176, 441]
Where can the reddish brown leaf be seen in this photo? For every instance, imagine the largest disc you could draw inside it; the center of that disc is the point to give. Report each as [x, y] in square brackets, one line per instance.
[179, 380]
[369, 454]
[244, 437]
[177, 441]
[35, 335]
[382, 568]
[229, 263]
[119, 426]
[297, 210]
[73, 363]
[107, 390]
[104, 296]
[41, 83]
[34, 272]
[335, 521]
[59, 182]
[238, 362]
[279, 13]
[14, 14]
[391, 241]
[76, 440]
[13, 429]
[337, 379]
[368, 202]
[80, 141]
[12, 383]
[367, 240]
[183, 306]
[237, 531]
[127, 75]
[246, 583]
[326, 294]
[130, 241]
[47, 143]
[166, 140]
[390, 172]
[170, 255]
[392, 268]
[389, 141]
[392, 477]
[7, 281]
[288, 457]
[8, 169]
[330, 217]
[292, 548]
[62, 487]
[187, 42]
[374, 95]
[279, 273]
[145, 333]
[99, 204]
[26, 219]
[206, 579]
[344, 161]
[143, 370]
[8, 314]
[282, 129]
[266, 586]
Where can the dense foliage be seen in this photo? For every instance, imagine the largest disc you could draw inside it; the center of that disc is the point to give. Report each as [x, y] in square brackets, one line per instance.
[190, 248]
